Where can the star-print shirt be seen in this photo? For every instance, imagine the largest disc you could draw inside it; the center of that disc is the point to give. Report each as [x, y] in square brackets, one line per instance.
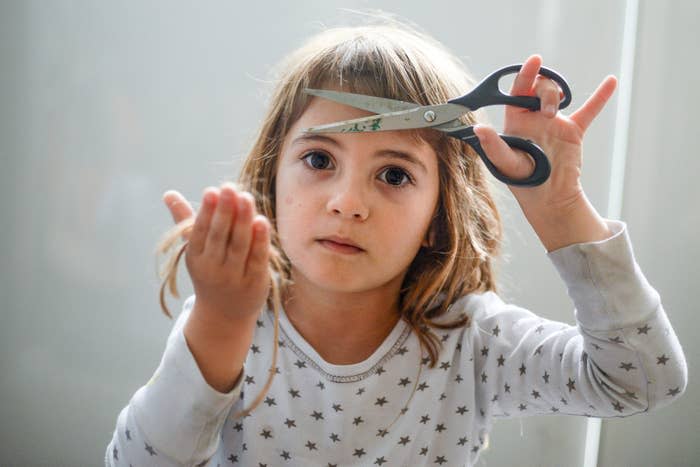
[621, 358]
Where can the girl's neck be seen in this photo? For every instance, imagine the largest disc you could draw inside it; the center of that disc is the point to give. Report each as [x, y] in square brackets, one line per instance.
[344, 328]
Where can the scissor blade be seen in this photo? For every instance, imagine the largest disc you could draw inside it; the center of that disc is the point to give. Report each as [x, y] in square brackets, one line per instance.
[418, 117]
[374, 104]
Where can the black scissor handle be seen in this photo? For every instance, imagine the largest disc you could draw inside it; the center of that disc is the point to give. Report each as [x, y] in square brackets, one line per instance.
[488, 92]
[542, 166]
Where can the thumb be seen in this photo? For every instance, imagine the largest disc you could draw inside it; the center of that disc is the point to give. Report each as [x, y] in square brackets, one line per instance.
[180, 208]
[514, 164]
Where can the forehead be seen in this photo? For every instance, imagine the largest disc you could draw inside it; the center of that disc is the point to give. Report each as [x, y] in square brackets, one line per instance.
[322, 111]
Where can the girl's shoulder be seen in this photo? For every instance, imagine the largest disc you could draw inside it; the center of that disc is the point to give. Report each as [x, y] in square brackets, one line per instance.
[487, 311]
[476, 304]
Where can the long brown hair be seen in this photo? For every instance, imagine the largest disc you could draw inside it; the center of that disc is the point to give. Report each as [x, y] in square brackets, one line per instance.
[396, 61]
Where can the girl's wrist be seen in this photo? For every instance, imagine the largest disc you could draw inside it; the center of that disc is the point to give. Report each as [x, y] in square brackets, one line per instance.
[219, 346]
[220, 322]
[580, 223]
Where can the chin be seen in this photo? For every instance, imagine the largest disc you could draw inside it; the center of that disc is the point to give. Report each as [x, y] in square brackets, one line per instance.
[338, 280]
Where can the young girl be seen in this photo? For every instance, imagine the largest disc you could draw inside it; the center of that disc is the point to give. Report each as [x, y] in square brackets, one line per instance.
[345, 308]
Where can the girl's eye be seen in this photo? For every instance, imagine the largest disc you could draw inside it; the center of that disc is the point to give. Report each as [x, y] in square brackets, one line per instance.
[317, 160]
[396, 177]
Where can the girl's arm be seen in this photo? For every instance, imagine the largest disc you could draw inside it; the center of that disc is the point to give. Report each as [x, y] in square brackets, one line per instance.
[219, 348]
[621, 358]
[177, 417]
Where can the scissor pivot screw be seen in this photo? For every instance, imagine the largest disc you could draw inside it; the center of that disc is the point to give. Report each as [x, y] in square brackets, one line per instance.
[429, 116]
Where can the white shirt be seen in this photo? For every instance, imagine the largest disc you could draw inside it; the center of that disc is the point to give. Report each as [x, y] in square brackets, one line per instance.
[622, 358]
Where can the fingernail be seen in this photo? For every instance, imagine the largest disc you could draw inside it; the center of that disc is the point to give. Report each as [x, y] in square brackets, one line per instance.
[481, 134]
[226, 195]
[209, 197]
[241, 202]
[550, 110]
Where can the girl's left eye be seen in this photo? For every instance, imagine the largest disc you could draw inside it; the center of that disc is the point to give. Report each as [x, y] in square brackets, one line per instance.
[396, 177]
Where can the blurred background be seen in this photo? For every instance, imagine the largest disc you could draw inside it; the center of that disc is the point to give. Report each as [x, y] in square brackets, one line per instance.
[105, 106]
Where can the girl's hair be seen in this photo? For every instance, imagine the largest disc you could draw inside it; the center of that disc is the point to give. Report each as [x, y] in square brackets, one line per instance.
[396, 61]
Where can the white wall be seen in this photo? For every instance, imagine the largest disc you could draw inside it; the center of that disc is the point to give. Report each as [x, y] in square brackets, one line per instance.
[106, 106]
[661, 206]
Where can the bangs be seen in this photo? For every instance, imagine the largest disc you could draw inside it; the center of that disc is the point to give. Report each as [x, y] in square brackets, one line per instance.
[371, 63]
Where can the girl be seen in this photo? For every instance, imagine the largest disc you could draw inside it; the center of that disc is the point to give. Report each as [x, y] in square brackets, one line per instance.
[345, 308]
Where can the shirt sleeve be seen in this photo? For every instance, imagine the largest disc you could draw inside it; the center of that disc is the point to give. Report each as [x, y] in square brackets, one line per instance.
[622, 357]
[177, 417]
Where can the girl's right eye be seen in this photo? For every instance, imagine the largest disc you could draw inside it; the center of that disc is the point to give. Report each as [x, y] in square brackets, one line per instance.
[317, 160]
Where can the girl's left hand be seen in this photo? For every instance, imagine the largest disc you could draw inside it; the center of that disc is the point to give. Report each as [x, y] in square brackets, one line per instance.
[559, 136]
[560, 199]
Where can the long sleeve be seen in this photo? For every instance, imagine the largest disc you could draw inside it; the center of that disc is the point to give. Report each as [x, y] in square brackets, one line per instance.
[621, 358]
[176, 418]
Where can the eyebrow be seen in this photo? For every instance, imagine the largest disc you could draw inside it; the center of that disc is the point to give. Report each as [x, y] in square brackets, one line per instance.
[387, 153]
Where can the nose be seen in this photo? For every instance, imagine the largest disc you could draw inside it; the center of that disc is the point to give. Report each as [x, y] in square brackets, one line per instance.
[349, 202]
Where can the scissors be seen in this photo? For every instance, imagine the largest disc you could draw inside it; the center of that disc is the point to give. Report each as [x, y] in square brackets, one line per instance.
[400, 115]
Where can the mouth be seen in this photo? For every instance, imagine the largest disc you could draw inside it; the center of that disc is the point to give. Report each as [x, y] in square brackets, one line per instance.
[340, 245]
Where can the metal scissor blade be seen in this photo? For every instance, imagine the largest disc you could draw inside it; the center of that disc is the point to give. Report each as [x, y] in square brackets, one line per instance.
[417, 117]
[378, 105]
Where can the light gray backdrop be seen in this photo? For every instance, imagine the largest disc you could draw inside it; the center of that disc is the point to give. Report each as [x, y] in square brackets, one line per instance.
[104, 106]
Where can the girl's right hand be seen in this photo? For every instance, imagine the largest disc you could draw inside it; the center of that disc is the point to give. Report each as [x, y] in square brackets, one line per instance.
[227, 253]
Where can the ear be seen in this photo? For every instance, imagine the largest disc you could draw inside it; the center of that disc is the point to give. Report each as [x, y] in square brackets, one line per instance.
[429, 239]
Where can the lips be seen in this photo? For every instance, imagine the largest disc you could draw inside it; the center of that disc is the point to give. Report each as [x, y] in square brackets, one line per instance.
[341, 242]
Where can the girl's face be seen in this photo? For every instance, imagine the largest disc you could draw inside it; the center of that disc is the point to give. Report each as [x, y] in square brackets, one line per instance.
[376, 191]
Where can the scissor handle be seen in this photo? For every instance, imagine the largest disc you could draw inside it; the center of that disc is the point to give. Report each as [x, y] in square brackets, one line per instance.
[488, 92]
[542, 166]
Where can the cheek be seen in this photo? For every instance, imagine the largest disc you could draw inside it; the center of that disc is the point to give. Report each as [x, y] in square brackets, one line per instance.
[292, 210]
[415, 230]
[405, 227]
[290, 215]
[416, 210]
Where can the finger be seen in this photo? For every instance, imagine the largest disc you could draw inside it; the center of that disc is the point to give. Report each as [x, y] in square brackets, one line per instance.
[224, 217]
[522, 85]
[180, 209]
[549, 93]
[241, 234]
[260, 247]
[592, 107]
[511, 163]
[198, 236]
